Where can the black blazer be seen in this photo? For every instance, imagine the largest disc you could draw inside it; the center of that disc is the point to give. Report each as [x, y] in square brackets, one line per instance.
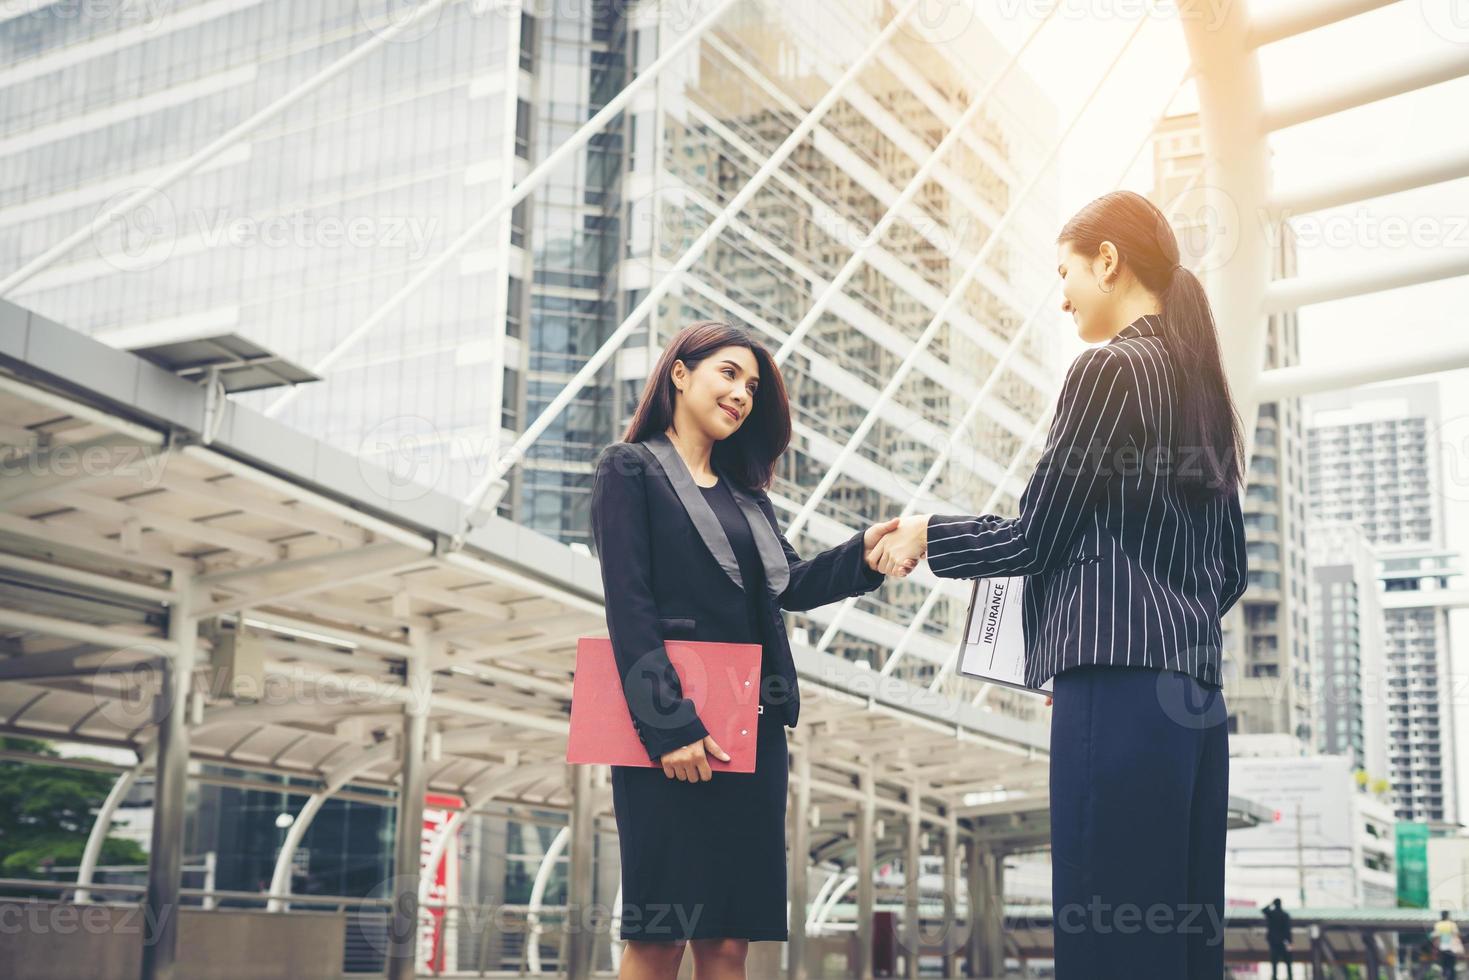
[668, 572]
[1122, 567]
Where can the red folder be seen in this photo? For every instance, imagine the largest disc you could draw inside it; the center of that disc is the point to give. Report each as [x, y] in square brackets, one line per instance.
[723, 679]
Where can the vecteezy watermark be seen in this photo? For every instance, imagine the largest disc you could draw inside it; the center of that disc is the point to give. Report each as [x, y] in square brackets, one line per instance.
[1212, 14]
[1362, 228]
[18, 917]
[664, 221]
[1186, 701]
[1451, 437]
[1207, 223]
[125, 13]
[1449, 19]
[412, 20]
[141, 237]
[938, 21]
[1100, 917]
[404, 457]
[142, 464]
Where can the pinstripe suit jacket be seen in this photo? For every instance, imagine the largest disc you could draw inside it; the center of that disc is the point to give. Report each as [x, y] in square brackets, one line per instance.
[1122, 567]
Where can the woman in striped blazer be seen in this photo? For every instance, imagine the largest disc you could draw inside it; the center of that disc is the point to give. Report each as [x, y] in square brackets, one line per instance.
[1131, 539]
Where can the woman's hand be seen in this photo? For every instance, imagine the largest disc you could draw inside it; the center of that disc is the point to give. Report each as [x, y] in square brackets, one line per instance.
[690, 764]
[900, 549]
[870, 544]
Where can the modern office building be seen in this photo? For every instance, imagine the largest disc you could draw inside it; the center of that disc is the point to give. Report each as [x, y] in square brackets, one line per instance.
[1347, 635]
[305, 234]
[1268, 656]
[1375, 463]
[1331, 844]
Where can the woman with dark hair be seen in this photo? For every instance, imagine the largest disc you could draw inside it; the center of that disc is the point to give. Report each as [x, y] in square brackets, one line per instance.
[691, 548]
[1131, 538]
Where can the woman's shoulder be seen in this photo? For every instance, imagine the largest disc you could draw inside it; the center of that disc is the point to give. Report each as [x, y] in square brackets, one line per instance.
[622, 459]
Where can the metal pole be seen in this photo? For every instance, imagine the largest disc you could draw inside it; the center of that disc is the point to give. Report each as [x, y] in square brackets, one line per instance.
[800, 854]
[171, 773]
[1300, 855]
[993, 909]
[910, 882]
[580, 925]
[951, 890]
[975, 945]
[866, 859]
[1369, 944]
[481, 500]
[408, 844]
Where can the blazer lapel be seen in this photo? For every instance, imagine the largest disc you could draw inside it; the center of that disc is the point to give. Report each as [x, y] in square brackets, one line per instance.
[703, 516]
[706, 522]
[772, 555]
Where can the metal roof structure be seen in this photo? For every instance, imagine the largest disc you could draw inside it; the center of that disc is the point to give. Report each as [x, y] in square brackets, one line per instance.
[116, 507]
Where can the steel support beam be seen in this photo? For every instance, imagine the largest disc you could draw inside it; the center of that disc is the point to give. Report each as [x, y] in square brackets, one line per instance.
[166, 849]
[580, 908]
[866, 868]
[408, 843]
[801, 744]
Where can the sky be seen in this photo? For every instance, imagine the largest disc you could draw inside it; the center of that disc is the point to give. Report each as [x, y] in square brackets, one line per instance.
[1074, 49]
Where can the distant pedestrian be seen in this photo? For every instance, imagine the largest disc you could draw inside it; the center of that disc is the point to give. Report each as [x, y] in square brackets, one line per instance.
[1447, 941]
[1277, 935]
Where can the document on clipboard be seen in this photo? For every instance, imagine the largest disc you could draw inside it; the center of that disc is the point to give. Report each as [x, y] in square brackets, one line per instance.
[993, 645]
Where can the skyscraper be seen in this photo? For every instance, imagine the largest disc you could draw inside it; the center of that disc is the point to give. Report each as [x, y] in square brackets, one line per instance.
[1347, 635]
[1374, 462]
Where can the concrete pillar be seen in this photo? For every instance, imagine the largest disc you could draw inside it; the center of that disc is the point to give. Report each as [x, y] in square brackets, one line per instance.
[166, 850]
[408, 845]
[951, 893]
[911, 860]
[579, 911]
[800, 853]
[866, 866]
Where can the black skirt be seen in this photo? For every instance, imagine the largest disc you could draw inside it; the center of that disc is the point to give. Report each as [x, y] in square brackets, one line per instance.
[705, 860]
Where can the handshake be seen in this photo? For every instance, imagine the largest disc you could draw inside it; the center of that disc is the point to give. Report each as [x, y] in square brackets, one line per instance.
[895, 547]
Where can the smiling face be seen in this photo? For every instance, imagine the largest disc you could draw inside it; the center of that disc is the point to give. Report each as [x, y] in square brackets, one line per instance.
[718, 394]
[1089, 290]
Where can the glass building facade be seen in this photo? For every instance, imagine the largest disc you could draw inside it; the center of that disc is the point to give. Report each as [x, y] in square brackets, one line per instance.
[298, 233]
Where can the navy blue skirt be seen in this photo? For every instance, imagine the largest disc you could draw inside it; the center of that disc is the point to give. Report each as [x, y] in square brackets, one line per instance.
[705, 860]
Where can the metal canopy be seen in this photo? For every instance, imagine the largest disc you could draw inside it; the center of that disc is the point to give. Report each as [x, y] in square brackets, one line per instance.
[240, 364]
[111, 509]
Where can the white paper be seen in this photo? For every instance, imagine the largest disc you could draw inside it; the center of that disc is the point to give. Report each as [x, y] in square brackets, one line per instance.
[994, 635]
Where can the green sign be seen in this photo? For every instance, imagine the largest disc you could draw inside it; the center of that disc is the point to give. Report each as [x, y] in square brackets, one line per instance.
[1412, 857]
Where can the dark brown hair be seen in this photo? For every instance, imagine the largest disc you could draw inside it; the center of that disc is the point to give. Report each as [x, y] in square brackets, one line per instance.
[749, 455]
[1206, 421]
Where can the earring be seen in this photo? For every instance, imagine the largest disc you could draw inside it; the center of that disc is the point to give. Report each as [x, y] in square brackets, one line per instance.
[1114, 286]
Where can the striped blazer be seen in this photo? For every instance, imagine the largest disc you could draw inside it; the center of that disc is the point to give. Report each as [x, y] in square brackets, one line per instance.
[1122, 567]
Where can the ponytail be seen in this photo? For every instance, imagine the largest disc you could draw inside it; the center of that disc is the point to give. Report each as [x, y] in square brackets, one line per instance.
[1207, 444]
[1205, 416]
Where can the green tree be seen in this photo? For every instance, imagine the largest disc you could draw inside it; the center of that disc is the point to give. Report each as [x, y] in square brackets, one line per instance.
[46, 813]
